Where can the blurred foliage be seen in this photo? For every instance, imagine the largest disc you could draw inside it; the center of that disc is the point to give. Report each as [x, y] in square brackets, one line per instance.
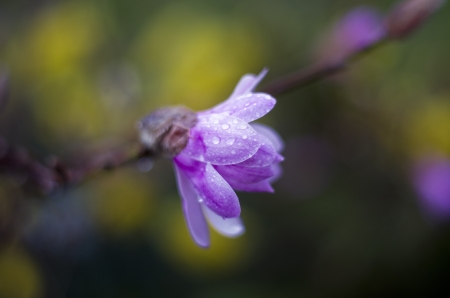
[19, 276]
[222, 258]
[122, 203]
[345, 220]
[193, 58]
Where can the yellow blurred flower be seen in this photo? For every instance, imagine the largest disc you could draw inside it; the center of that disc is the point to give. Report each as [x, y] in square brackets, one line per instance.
[61, 38]
[52, 60]
[224, 256]
[428, 126]
[19, 276]
[194, 59]
[72, 111]
[122, 203]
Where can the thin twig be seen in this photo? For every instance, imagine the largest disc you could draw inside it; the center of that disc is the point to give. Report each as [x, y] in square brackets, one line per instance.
[46, 178]
[318, 71]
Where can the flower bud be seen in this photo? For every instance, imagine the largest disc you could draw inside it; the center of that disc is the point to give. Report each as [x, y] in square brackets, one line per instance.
[408, 15]
[360, 28]
[431, 181]
[166, 131]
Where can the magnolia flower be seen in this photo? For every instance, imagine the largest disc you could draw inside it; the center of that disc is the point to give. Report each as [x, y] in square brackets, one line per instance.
[431, 178]
[358, 29]
[216, 152]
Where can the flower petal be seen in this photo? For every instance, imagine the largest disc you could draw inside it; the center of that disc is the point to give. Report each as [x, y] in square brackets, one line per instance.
[246, 84]
[221, 140]
[212, 188]
[193, 214]
[245, 174]
[270, 134]
[262, 186]
[229, 227]
[266, 155]
[251, 106]
[277, 170]
[218, 194]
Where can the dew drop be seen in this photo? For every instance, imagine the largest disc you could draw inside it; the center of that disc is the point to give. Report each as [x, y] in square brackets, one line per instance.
[216, 121]
[247, 104]
[225, 126]
[215, 140]
[230, 141]
[145, 164]
[242, 126]
[244, 137]
[235, 121]
[200, 200]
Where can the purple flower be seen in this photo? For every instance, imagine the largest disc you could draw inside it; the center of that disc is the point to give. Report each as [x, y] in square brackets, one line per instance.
[357, 30]
[360, 28]
[225, 153]
[432, 184]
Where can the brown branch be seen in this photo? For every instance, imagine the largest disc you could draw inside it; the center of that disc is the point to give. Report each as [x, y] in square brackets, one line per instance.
[46, 178]
[403, 19]
[318, 71]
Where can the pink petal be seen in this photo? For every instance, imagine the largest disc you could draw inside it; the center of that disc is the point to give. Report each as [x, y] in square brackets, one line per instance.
[266, 155]
[220, 140]
[229, 227]
[262, 186]
[251, 106]
[212, 188]
[247, 83]
[218, 194]
[193, 214]
[270, 134]
[277, 172]
[245, 174]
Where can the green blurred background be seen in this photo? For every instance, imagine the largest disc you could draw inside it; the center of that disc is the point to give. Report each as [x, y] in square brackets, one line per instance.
[345, 219]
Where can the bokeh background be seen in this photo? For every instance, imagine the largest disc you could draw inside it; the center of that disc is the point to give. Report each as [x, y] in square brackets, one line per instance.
[362, 208]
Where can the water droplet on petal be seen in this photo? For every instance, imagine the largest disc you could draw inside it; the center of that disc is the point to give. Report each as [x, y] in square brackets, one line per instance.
[235, 121]
[145, 164]
[230, 141]
[225, 126]
[244, 137]
[215, 140]
[200, 200]
[242, 126]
